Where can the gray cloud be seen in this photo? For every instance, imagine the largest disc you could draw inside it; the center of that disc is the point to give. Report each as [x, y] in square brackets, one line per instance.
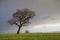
[47, 12]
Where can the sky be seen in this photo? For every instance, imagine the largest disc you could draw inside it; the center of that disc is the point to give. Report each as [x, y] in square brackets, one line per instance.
[47, 17]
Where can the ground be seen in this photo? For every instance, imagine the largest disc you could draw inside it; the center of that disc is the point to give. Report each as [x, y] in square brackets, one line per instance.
[31, 36]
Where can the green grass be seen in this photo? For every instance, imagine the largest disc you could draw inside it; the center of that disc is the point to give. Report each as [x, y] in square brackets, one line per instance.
[34, 36]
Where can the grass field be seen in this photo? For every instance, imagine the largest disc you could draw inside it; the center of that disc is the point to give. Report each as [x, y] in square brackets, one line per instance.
[34, 36]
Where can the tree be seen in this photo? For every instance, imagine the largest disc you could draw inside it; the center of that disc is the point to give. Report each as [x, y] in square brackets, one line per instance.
[21, 17]
[27, 31]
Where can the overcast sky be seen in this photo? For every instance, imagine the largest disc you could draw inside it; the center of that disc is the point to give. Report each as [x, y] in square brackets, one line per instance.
[47, 17]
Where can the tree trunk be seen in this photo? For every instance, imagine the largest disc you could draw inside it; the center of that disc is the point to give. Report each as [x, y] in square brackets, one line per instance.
[19, 29]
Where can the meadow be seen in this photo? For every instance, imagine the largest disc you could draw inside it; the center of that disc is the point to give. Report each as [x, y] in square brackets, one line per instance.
[31, 36]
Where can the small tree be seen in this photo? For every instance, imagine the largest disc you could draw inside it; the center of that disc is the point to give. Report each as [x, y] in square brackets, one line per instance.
[27, 31]
[21, 17]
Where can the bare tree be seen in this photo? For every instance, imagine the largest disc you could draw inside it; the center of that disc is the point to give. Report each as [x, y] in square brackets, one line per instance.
[21, 17]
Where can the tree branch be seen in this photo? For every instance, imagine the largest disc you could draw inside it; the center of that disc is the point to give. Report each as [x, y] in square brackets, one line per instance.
[17, 24]
[26, 20]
